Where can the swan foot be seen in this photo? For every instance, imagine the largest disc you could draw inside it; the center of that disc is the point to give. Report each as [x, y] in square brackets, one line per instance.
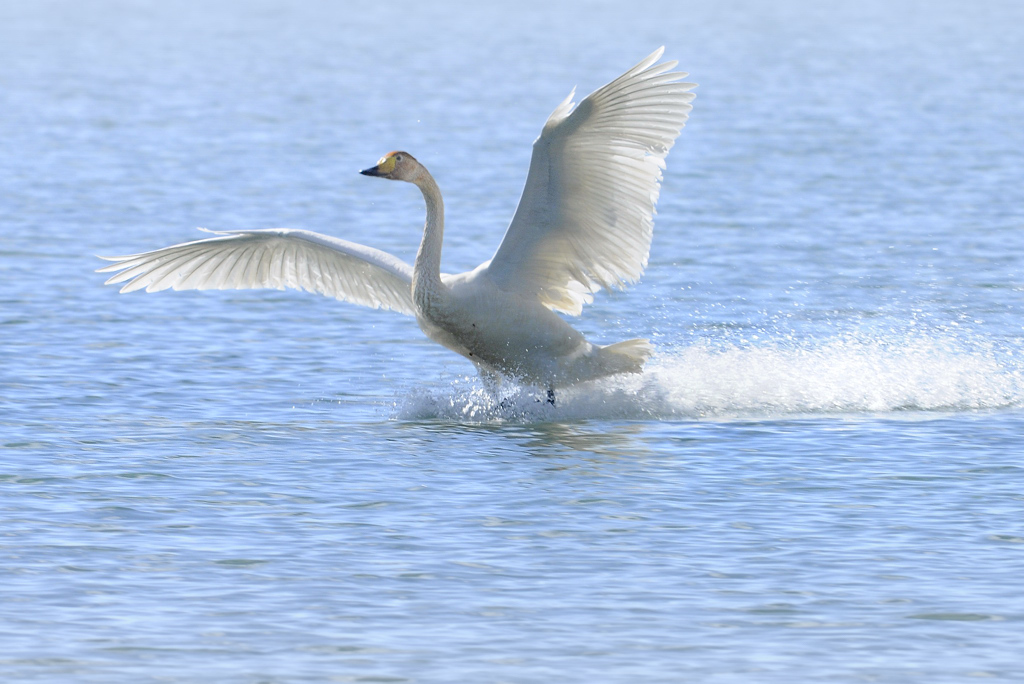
[551, 396]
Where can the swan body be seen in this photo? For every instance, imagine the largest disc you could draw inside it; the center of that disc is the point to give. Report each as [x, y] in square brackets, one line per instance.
[584, 222]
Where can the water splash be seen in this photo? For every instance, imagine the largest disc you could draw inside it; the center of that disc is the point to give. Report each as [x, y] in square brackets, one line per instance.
[776, 378]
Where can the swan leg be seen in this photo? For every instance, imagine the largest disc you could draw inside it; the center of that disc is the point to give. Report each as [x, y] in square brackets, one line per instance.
[492, 381]
[551, 395]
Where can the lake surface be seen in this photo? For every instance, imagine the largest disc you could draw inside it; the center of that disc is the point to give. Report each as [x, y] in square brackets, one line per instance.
[819, 477]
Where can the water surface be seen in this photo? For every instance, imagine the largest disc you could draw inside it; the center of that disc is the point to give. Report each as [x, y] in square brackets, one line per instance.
[818, 478]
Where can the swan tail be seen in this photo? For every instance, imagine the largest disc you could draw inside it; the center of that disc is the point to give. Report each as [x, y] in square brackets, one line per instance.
[628, 356]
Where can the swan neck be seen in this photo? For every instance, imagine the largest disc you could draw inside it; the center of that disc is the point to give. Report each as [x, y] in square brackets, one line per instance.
[427, 269]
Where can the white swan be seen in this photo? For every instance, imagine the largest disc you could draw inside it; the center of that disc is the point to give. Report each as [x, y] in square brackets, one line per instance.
[584, 222]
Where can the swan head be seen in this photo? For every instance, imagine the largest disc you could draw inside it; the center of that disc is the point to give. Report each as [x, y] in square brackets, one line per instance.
[396, 166]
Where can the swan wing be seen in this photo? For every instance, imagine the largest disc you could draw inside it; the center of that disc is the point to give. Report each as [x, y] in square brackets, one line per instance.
[278, 258]
[586, 215]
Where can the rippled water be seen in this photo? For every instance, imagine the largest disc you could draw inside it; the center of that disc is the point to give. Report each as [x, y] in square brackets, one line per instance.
[818, 477]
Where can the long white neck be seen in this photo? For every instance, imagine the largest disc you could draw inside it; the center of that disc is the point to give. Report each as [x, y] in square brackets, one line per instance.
[426, 271]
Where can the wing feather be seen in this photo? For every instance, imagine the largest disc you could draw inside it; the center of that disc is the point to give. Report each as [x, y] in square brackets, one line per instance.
[585, 219]
[278, 258]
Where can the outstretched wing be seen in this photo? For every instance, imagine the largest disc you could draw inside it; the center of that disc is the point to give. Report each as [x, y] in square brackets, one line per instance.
[278, 258]
[586, 215]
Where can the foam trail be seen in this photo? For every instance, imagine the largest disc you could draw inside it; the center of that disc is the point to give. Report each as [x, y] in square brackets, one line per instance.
[842, 375]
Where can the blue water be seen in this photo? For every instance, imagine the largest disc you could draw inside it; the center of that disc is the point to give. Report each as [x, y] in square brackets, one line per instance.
[819, 477]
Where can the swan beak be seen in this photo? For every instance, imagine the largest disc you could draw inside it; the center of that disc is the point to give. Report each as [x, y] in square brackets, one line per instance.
[385, 166]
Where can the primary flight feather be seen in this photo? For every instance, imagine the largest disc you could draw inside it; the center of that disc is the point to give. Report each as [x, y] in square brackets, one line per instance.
[584, 221]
